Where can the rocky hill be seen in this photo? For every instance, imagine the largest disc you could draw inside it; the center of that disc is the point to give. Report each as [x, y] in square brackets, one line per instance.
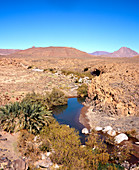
[123, 52]
[115, 90]
[7, 51]
[48, 52]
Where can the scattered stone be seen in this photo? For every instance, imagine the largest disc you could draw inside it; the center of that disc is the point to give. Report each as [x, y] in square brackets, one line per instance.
[125, 164]
[121, 137]
[107, 128]
[44, 163]
[111, 132]
[85, 131]
[98, 128]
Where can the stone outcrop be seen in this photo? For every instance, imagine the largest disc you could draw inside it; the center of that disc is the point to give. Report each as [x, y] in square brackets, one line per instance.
[115, 92]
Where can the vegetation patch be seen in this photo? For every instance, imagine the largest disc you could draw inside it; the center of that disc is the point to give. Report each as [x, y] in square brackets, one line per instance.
[24, 115]
[78, 74]
[82, 90]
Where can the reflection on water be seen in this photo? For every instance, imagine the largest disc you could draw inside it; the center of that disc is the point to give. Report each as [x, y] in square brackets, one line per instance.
[69, 114]
[80, 100]
[59, 109]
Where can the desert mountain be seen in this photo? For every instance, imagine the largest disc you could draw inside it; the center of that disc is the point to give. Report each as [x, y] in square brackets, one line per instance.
[123, 52]
[100, 53]
[46, 52]
[7, 51]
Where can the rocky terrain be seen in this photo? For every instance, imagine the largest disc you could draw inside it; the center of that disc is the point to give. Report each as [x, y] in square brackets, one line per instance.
[113, 96]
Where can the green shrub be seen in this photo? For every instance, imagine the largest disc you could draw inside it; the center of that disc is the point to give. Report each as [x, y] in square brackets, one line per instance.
[48, 100]
[24, 115]
[57, 98]
[82, 90]
[38, 99]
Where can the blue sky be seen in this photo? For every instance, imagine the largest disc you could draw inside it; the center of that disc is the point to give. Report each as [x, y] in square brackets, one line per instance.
[88, 25]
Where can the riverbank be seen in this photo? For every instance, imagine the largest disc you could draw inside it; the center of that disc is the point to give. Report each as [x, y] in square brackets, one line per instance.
[92, 119]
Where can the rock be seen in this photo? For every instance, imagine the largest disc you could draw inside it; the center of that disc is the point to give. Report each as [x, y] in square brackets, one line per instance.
[98, 128]
[4, 139]
[137, 143]
[85, 131]
[111, 132]
[80, 80]
[43, 163]
[121, 137]
[35, 138]
[37, 69]
[56, 166]
[107, 128]
[19, 164]
[125, 164]
[48, 153]
[43, 156]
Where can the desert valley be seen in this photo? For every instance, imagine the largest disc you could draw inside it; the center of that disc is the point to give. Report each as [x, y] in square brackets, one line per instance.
[109, 82]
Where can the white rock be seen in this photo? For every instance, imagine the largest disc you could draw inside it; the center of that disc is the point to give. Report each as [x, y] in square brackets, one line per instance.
[98, 128]
[107, 128]
[80, 80]
[137, 143]
[35, 138]
[121, 137]
[43, 156]
[37, 69]
[85, 131]
[111, 132]
[56, 166]
[48, 153]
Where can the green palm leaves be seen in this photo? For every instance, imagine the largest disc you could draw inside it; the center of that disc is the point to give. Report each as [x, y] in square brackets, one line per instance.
[24, 115]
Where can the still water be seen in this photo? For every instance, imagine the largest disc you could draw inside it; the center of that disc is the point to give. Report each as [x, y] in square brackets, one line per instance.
[69, 114]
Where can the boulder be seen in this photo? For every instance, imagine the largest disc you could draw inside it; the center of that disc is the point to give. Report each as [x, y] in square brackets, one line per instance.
[85, 131]
[121, 137]
[111, 132]
[19, 164]
[98, 128]
[107, 128]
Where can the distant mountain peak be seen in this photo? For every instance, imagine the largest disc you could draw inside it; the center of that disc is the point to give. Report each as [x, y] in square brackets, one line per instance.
[123, 52]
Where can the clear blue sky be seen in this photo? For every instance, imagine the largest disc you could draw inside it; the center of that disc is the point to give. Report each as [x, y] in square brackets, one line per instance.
[88, 25]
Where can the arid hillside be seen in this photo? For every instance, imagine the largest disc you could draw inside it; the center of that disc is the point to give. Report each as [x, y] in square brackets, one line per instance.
[48, 52]
[115, 90]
